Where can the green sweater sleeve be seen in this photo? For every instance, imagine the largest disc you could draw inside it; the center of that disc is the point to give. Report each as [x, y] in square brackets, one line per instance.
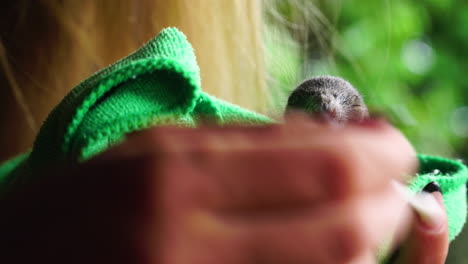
[160, 84]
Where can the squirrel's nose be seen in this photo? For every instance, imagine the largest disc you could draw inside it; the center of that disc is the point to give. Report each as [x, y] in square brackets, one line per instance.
[329, 110]
[329, 113]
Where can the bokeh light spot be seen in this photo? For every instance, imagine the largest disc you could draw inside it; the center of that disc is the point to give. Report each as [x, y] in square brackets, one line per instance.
[459, 121]
[418, 56]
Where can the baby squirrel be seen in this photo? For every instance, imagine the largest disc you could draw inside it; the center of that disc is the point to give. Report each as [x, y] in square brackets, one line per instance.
[329, 98]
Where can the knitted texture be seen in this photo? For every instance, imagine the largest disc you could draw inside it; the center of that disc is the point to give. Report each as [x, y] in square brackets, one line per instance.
[451, 176]
[160, 84]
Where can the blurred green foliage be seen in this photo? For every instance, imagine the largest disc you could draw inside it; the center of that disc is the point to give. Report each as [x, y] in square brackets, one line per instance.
[407, 57]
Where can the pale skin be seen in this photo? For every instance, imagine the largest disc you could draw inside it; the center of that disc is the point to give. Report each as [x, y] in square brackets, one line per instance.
[297, 193]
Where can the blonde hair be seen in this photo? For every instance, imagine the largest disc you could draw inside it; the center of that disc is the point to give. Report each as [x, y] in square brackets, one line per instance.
[48, 46]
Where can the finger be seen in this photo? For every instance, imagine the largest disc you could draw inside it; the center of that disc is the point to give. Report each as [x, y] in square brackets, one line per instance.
[366, 258]
[235, 165]
[353, 159]
[246, 180]
[181, 139]
[260, 179]
[428, 242]
[393, 148]
[366, 155]
[341, 233]
[375, 153]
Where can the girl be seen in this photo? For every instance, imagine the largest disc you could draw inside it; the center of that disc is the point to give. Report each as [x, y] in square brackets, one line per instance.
[299, 193]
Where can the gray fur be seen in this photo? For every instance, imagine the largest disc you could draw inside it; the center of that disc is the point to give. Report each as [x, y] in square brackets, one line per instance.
[328, 97]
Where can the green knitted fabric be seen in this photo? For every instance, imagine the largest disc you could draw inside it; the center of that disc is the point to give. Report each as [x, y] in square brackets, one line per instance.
[160, 84]
[451, 176]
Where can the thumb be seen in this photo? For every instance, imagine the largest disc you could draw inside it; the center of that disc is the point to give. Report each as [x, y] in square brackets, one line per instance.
[428, 241]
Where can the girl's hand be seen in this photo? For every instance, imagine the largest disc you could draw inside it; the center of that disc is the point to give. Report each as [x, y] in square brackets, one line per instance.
[297, 193]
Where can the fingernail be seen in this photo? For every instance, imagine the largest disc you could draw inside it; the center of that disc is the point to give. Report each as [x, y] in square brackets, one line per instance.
[430, 212]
